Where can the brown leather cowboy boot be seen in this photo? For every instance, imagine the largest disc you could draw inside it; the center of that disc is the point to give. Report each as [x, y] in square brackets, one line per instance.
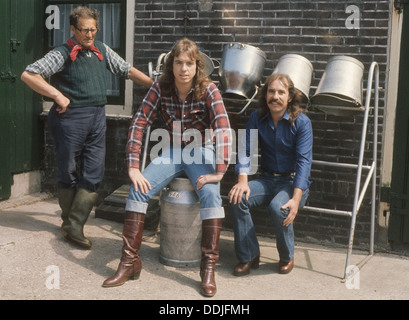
[131, 265]
[210, 255]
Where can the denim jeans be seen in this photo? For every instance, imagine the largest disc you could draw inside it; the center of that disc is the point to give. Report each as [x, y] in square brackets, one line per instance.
[272, 192]
[172, 164]
[79, 133]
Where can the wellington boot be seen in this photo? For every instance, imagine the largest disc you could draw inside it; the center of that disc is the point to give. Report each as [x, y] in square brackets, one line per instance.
[210, 255]
[65, 199]
[81, 207]
[131, 265]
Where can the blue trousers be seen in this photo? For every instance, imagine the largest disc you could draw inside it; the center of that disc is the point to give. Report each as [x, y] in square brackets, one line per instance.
[272, 192]
[171, 164]
[79, 136]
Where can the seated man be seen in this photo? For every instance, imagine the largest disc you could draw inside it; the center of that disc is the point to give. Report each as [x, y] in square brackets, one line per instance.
[188, 102]
[285, 137]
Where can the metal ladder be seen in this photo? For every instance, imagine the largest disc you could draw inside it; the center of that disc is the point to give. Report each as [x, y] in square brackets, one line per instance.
[359, 193]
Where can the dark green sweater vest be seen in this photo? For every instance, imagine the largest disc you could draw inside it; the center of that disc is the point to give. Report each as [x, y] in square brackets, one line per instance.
[83, 81]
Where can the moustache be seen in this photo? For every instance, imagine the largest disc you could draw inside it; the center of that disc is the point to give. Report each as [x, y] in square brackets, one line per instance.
[275, 101]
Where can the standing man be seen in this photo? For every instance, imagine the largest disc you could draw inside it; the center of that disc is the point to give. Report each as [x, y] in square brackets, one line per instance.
[187, 101]
[77, 118]
[285, 138]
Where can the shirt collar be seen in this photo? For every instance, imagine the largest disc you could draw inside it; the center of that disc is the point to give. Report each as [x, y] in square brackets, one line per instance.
[286, 116]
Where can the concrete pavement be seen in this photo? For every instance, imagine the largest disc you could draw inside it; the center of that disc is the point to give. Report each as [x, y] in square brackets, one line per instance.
[36, 263]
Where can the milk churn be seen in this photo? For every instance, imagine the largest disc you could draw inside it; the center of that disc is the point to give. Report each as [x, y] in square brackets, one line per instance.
[180, 225]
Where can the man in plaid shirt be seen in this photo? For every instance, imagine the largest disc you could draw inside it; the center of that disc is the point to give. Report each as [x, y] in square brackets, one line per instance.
[194, 115]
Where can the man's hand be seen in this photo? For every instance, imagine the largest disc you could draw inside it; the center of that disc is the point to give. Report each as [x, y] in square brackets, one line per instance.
[138, 180]
[62, 102]
[292, 205]
[293, 210]
[236, 192]
[208, 178]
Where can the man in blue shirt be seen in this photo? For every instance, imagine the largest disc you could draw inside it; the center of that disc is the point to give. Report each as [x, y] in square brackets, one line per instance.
[285, 138]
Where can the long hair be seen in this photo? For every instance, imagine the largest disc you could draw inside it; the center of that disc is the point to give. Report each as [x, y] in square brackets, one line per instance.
[200, 80]
[293, 107]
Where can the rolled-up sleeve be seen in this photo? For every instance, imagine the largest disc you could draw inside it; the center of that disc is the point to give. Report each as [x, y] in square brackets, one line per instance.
[50, 64]
[117, 65]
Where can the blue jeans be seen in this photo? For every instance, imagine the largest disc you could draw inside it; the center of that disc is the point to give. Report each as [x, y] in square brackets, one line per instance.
[171, 164]
[272, 192]
[79, 133]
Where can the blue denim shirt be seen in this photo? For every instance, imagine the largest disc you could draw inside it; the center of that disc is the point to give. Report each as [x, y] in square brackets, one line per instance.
[285, 149]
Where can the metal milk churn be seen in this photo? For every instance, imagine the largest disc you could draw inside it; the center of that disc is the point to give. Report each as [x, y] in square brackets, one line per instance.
[180, 225]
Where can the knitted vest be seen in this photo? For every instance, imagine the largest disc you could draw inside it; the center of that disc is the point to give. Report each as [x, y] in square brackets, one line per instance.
[83, 81]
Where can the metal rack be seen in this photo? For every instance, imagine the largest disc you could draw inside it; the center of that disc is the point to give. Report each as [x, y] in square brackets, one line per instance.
[371, 175]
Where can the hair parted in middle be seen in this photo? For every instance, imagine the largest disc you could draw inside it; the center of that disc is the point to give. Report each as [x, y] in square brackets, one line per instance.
[294, 106]
[200, 80]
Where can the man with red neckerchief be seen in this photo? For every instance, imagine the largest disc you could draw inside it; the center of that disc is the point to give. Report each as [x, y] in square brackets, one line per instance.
[77, 119]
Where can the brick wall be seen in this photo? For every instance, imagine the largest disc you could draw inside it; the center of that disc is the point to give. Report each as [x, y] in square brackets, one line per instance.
[315, 29]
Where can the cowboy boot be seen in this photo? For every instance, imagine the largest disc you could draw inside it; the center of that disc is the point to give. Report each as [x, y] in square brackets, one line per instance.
[73, 229]
[131, 265]
[65, 199]
[210, 255]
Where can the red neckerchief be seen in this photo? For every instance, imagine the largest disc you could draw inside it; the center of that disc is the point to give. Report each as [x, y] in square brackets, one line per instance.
[75, 48]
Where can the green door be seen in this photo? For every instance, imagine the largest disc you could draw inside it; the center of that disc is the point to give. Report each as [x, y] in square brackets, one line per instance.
[399, 215]
[21, 38]
[5, 87]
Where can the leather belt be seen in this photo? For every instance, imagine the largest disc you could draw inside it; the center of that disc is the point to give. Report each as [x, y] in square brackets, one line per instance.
[280, 174]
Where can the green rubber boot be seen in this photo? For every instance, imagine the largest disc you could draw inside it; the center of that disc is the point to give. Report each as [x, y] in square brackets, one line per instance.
[65, 199]
[81, 207]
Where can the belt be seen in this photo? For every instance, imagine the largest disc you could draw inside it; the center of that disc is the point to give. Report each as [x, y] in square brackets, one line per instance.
[280, 174]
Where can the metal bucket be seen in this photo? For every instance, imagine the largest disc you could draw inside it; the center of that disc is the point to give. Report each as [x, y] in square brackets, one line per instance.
[180, 225]
[340, 89]
[299, 69]
[241, 69]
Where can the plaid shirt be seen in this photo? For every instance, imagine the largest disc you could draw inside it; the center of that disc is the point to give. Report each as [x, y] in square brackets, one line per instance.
[208, 116]
[53, 62]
